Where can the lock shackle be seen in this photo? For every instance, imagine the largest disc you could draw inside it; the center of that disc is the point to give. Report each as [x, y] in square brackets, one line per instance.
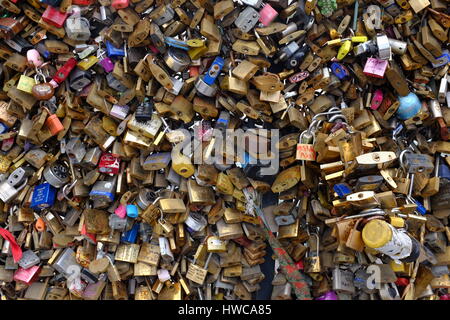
[23, 185]
[67, 188]
[400, 158]
[326, 114]
[304, 133]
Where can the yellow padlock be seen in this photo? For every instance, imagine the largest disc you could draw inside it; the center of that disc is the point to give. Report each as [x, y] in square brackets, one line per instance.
[359, 39]
[196, 52]
[26, 83]
[344, 49]
[86, 63]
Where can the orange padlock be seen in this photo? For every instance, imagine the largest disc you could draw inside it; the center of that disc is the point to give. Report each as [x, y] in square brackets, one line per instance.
[40, 225]
[53, 123]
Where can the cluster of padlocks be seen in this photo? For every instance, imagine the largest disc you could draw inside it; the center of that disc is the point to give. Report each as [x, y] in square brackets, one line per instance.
[155, 149]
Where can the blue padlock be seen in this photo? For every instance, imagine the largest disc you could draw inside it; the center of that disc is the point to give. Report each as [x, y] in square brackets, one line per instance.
[340, 71]
[420, 208]
[3, 128]
[44, 196]
[114, 52]
[444, 59]
[131, 235]
[53, 3]
[213, 71]
[444, 171]
[172, 42]
[410, 105]
[132, 211]
[342, 189]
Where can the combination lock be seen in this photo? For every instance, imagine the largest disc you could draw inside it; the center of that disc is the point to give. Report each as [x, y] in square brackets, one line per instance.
[57, 175]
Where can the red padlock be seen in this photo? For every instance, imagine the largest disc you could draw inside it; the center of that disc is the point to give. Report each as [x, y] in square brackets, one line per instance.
[402, 282]
[53, 123]
[82, 2]
[193, 71]
[109, 164]
[54, 17]
[63, 72]
[120, 4]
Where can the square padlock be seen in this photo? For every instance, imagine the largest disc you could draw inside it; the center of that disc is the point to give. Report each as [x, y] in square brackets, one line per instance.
[26, 84]
[119, 112]
[267, 14]
[375, 67]
[54, 17]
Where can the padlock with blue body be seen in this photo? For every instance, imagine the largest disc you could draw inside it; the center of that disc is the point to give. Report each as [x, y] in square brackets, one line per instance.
[342, 189]
[213, 71]
[3, 128]
[420, 208]
[102, 190]
[53, 3]
[410, 105]
[132, 211]
[444, 171]
[131, 235]
[443, 59]
[172, 42]
[114, 52]
[44, 196]
[340, 71]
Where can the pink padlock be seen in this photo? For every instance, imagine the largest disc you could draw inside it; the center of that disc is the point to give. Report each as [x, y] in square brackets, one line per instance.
[121, 211]
[119, 4]
[377, 99]
[375, 67]
[267, 14]
[34, 58]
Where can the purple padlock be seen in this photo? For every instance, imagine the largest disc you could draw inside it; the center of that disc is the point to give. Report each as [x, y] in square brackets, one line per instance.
[107, 64]
[330, 295]
[119, 112]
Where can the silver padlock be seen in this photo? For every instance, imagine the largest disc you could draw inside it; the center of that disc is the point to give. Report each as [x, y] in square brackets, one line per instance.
[164, 247]
[343, 281]
[443, 89]
[389, 291]
[435, 109]
[384, 47]
[247, 19]
[204, 88]
[287, 51]
[71, 217]
[173, 177]
[29, 259]
[79, 79]
[75, 150]
[65, 262]
[117, 223]
[253, 3]
[114, 83]
[177, 86]
[177, 59]
[77, 28]
[10, 188]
